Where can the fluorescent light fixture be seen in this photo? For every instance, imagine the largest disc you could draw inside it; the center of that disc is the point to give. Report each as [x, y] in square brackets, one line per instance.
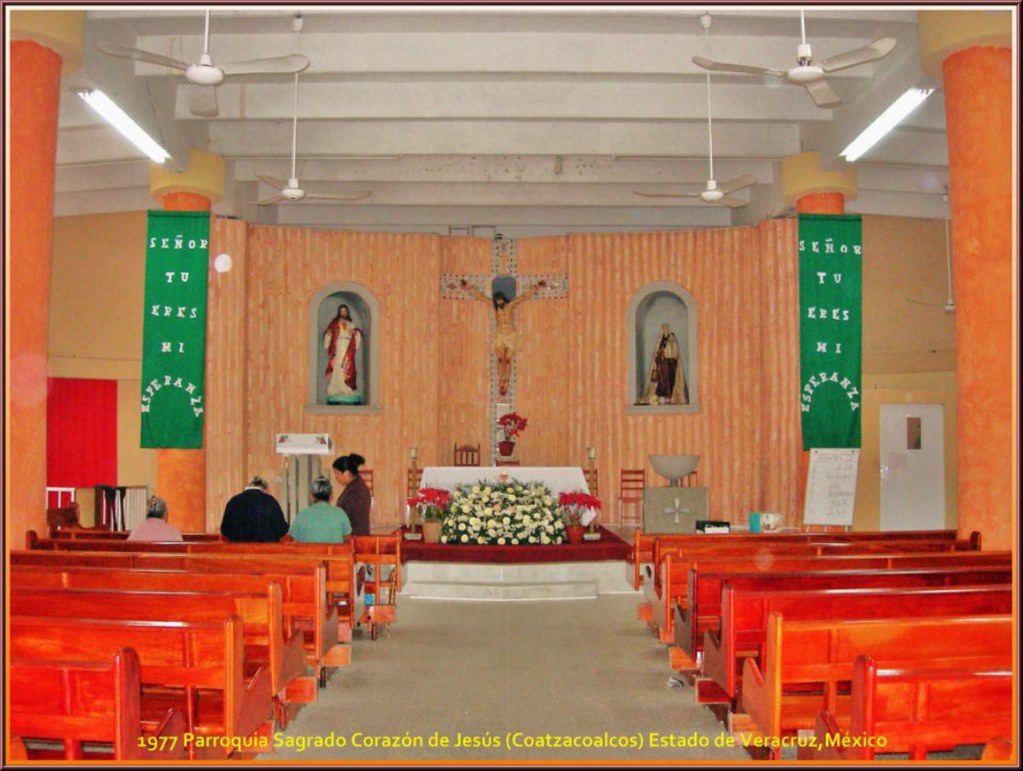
[119, 119]
[885, 122]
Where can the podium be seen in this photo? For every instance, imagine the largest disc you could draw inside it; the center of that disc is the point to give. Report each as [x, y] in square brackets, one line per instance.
[301, 466]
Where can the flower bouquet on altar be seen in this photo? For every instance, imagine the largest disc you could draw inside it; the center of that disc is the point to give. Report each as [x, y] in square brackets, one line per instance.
[572, 507]
[503, 514]
[430, 505]
[512, 424]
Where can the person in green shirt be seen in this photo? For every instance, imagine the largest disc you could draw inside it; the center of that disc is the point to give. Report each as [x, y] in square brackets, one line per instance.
[323, 522]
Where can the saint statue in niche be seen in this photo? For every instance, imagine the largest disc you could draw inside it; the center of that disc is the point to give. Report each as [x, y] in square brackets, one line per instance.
[667, 381]
[341, 340]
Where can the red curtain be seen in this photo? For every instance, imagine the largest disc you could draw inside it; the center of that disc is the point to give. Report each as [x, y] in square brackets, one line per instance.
[81, 433]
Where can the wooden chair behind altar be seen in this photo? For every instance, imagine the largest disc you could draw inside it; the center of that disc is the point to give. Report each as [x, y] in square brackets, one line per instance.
[591, 481]
[415, 479]
[467, 455]
[630, 496]
[367, 477]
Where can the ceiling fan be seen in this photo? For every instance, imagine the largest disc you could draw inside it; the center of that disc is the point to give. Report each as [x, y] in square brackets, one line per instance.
[807, 74]
[715, 193]
[205, 74]
[290, 190]
[949, 305]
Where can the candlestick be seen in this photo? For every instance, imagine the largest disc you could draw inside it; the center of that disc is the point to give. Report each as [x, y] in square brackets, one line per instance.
[413, 454]
[591, 453]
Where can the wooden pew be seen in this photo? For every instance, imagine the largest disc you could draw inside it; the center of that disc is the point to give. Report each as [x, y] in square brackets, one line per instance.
[120, 535]
[916, 711]
[195, 667]
[676, 570]
[96, 702]
[744, 614]
[305, 600]
[820, 654]
[766, 546]
[643, 544]
[703, 612]
[339, 558]
[268, 640]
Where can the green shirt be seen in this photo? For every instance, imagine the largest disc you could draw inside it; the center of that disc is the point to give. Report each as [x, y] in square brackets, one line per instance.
[321, 523]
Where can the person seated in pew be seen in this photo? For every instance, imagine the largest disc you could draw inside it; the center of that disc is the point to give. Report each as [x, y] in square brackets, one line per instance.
[253, 515]
[155, 527]
[322, 522]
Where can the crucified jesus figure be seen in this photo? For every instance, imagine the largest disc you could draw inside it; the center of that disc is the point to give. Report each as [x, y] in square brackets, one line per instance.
[505, 338]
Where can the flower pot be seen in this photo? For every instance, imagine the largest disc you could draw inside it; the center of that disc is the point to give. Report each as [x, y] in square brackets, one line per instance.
[506, 448]
[431, 530]
[575, 533]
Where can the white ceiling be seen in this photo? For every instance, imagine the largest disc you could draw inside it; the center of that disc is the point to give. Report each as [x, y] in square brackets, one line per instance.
[526, 120]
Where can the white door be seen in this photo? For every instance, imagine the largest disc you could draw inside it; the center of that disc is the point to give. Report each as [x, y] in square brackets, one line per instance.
[912, 467]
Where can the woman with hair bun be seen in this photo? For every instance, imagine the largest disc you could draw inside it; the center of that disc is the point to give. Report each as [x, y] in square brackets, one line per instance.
[355, 498]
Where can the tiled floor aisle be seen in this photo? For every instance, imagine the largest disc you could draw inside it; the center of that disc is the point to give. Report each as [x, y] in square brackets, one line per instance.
[528, 670]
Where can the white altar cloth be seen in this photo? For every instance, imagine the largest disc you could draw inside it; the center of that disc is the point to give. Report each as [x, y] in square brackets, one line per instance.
[560, 479]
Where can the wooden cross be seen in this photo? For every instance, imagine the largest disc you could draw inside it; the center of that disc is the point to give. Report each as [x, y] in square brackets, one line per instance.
[503, 258]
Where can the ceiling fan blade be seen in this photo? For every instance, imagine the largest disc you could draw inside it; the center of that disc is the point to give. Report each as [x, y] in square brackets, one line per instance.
[113, 49]
[666, 195]
[338, 197]
[202, 101]
[268, 201]
[879, 49]
[744, 69]
[280, 184]
[284, 65]
[731, 202]
[738, 183]
[822, 94]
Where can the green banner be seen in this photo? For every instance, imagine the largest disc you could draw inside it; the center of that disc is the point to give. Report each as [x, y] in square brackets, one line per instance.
[174, 329]
[830, 325]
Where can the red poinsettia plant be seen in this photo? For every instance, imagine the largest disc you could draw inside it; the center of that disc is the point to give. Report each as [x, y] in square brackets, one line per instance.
[572, 505]
[432, 502]
[512, 424]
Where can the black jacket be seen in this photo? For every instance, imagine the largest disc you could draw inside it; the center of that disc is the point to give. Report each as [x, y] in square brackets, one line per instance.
[253, 515]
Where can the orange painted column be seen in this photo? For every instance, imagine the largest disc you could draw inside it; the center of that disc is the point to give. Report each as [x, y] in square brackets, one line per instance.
[814, 191]
[181, 474]
[978, 116]
[34, 100]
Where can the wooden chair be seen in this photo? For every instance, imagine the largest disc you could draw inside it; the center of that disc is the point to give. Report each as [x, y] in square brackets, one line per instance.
[415, 479]
[367, 477]
[467, 455]
[591, 481]
[630, 496]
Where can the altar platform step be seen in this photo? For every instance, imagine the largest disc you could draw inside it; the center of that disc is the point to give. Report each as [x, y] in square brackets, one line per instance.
[500, 583]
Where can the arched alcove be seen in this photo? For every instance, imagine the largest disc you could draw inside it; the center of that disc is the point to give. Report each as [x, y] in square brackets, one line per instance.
[662, 384]
[364, 311]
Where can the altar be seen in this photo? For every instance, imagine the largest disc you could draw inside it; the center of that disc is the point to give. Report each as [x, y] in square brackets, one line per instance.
[560, 479]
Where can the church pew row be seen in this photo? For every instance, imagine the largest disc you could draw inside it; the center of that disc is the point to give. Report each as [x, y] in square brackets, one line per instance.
[807, 665]
[197, 668]
[915, 711]
[339, 558]
[89, 533]
[675, 570]
[98, 703]
[744, 614]
[268, 640]
[643, 544]
[305, 602]
[766, 549]
[702, 614]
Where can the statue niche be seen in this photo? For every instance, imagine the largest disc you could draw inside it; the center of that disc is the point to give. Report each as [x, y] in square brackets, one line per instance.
[662, 349]
[342, 347]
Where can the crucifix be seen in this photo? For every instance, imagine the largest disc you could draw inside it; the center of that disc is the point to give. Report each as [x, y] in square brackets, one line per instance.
[504, 296]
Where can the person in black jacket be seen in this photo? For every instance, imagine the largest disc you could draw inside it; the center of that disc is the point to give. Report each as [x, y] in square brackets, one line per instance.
[253, 515]
[355, 499]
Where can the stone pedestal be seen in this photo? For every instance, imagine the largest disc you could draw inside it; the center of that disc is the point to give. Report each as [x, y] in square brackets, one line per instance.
[674, 509]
